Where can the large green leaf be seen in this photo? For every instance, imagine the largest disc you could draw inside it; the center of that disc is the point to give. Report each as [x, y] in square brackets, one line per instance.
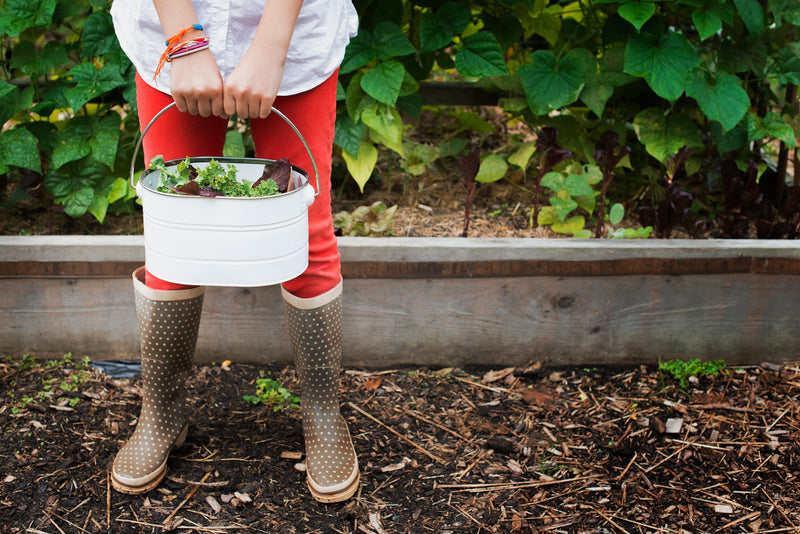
[788, 65]
[98, 207]
[480, 56]
[522, 156]
[492, 169]
[433, 33]
[98, 35]
[707, 23]
[391, 42]
[105, 138]
[664, 134]
[637, 13]
[119, 189]
[563, 206]
[72, 142]
[383, 82]
[358, 53]
[19, 15]
[91, 82]
[36, 63]
[577, 186]
[73, 176]
[665, 62]
[386, 126]
[361, 166]
[436, 29]
[733, 139]
[753, 15]
[772, 125]
[78, 202]
[552, 83]
[67, 150]
[573, 225]
[538, 21]
[455, 16]
[349, 134]
[18, 148]
[720, 97]
[597, 91]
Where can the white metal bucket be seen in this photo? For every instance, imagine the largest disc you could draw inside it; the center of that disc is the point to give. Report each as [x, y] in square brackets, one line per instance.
[226, 241]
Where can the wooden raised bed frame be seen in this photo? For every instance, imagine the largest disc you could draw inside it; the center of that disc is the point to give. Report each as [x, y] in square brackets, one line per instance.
[439, 302]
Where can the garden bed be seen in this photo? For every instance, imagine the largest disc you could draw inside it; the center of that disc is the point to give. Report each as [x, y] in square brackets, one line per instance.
[416, 301]
[528, 449]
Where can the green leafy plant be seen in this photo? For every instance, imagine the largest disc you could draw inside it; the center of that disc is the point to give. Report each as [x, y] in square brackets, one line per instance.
[631, 233]
[270, 392]
[372, 220]
[681, 370]
[66, 137]
[572, 189]
[717, 76]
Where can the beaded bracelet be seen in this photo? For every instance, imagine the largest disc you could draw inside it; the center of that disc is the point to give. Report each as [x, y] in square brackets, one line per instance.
[177, 46]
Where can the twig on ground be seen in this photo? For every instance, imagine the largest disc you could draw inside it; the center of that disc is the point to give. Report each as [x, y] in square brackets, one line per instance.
[501, 486]
[168, 520]
[396, 433]
[779, 509]
[421, 417]
[604, 516]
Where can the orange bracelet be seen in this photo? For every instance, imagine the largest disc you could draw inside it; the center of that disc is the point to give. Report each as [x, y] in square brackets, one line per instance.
[175, 43]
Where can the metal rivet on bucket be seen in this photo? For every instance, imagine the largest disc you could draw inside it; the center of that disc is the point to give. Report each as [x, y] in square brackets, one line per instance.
[226, 241]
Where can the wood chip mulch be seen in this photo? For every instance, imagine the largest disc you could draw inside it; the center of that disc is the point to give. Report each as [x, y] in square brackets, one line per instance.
[534, 449]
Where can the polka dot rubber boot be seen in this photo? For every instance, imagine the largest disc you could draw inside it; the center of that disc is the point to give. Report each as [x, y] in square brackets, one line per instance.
[315, 331]
[168, 324]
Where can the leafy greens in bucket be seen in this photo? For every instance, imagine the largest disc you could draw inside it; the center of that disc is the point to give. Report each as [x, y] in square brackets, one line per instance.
[215, 180]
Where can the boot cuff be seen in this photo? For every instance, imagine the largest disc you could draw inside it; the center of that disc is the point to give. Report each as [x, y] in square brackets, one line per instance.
[162, 295]
[313, 302]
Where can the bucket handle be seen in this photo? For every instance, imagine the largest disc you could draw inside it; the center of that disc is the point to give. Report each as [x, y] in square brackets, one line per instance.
[172, 104]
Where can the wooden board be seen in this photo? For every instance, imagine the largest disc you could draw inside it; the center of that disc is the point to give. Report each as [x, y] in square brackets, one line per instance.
[484, 302]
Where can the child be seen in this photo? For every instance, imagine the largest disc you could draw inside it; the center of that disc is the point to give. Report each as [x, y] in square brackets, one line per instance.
[241, 57]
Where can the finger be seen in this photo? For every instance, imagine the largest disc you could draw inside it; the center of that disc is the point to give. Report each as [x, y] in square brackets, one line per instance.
[264, 109]
[204, 107]
[191, 106]
[229, 104]
[242, 108]
[180, 103]
[218, 107]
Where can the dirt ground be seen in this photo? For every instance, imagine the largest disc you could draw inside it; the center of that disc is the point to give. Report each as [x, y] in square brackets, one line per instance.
[526, 450]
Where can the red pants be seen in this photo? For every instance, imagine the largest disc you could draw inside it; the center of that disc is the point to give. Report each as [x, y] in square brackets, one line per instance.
[176, 135]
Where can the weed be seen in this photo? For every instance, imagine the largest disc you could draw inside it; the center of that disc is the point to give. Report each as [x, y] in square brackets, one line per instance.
[682, 370]
[374, 220]
[27, 362]
[271, 393]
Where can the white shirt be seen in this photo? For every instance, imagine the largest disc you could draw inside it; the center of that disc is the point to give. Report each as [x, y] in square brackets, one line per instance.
[323, 29]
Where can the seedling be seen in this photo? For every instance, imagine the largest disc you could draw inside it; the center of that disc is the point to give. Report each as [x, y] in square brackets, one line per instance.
[374, 220]
[608, 154]
[682, 370]
[469, 166]
[271, 393]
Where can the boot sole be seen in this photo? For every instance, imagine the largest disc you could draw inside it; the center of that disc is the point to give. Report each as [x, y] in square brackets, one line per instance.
[158, 473]
[339, 496]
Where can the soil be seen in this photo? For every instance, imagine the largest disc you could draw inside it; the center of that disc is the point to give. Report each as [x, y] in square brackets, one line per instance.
[533, 449]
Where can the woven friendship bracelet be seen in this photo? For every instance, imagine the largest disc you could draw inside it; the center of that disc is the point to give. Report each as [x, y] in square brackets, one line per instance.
[177, 46]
